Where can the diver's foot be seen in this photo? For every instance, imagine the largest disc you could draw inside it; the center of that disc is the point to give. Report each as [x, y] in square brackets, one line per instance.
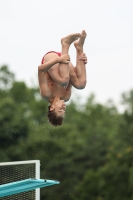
[68, 40]
[80, 42]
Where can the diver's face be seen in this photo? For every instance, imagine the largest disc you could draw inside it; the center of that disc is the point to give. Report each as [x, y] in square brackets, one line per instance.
[59, 107]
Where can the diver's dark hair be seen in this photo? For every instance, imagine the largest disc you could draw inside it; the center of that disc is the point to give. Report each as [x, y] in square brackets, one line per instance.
[53, 118]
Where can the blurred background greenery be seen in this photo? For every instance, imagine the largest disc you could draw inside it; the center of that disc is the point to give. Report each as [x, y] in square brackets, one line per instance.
[91, 154]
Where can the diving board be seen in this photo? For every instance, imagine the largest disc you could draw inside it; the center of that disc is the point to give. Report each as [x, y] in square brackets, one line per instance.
[25, 185]
[20, 170]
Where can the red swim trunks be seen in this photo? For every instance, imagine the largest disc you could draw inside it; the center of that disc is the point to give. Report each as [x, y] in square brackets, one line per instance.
[58, 53]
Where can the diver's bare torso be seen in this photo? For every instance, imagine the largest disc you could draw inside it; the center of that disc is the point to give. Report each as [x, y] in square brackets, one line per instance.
[50, 89]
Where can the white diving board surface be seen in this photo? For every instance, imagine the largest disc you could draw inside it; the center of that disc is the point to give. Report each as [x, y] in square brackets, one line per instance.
[25, 185]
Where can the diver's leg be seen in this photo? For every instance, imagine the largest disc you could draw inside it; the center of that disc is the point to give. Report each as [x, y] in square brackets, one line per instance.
[78, 73]
[60, 72]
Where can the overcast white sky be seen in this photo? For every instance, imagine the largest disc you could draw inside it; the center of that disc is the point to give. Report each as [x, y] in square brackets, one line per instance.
[30, 28]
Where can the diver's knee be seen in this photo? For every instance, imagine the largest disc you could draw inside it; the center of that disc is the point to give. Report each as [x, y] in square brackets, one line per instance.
[82, 84]
[65, 81]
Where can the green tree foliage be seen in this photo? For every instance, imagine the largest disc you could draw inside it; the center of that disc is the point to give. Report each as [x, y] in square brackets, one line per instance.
[6, 77]
[113, 180]
[90, 154]
[107, 183]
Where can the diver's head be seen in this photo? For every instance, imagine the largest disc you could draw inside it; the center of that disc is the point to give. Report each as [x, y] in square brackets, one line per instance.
[56, 112]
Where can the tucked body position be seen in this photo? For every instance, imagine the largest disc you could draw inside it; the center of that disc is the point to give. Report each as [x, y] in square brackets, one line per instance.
[57, 75]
